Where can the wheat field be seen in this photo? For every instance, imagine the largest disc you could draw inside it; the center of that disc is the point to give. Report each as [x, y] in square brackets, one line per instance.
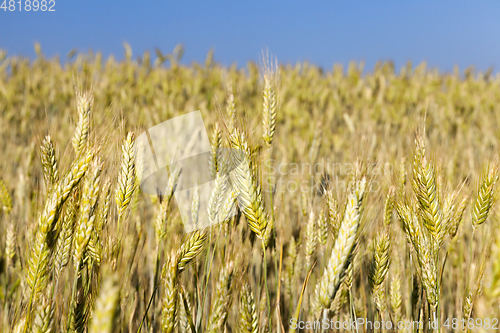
[357, 196]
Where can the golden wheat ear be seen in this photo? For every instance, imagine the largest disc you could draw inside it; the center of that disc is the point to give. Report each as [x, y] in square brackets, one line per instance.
[250, 199]
[485, 197]
[378, 270]
[126, 177]
[231, 111]
[269, 112]
[84, 102]
[191, 248]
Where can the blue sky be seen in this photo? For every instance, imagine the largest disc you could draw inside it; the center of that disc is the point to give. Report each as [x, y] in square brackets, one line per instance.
[444, 33]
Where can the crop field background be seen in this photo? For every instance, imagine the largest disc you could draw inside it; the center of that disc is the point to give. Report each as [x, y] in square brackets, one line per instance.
[361, 194]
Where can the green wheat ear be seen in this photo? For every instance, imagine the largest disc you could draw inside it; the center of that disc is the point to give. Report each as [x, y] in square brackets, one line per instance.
[485, 197]
[5, 198]
[247, 318]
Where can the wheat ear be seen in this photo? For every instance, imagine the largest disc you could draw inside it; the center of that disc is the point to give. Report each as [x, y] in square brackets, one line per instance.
[216, 197]
[316, 143]
[311, 238]
[5, 198]
[485, 198]
[10, 245]
[11, 234]
[49, 162]
[457, 217]
[185, 315]
[195, 206]
[389, 205]
[86, 222]
[425, 188]
[395, 295]
[84, 103]
[126, 177]
[332, 277]
[37, 277]
[425, 248]
[191, 248]
[322, 228]
[247, 318]
[231, 111]
[332, 214]
[249, 192]
[44, 317]
[378, 270]
[107, 307]
[66, 235]
[222, 300]
[269, 112]
[171, 295]
[216, 144]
